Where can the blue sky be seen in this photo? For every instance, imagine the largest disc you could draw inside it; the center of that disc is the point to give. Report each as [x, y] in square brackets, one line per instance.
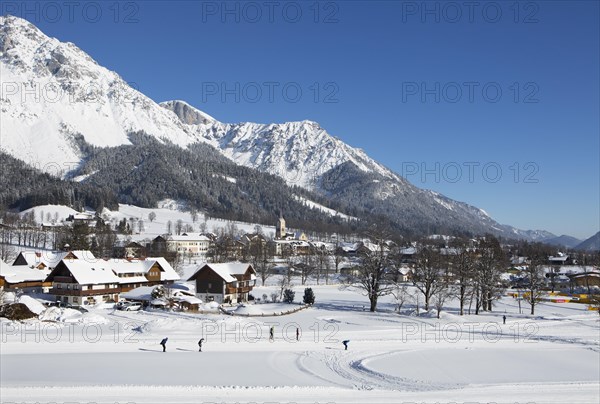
[448, 96]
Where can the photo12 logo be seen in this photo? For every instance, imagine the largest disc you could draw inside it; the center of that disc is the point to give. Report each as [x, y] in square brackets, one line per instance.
[469, 332]
[270, 91]
[52, 92]
[453, 92]
[254, 12]
[118, 12]
[453, 12]
[470, 171]
[131, 332]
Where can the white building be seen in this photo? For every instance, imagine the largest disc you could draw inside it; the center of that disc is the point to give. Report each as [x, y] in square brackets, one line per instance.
[189, 245]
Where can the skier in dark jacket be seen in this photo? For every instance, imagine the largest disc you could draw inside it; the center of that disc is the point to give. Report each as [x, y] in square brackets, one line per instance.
[164, 344]
[345, 342]
[200, 344]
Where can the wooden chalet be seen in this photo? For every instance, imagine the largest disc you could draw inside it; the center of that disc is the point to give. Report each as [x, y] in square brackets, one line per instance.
[23, 278]
[224, 283]
[83, 282]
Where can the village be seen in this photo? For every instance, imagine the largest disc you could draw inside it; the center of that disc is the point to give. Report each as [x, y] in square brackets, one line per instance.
[206, 271]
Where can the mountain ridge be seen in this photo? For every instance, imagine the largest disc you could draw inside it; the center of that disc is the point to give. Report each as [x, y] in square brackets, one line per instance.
[590, 244]
[97, 104]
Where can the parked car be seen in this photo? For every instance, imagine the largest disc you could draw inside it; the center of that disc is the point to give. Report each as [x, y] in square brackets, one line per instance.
[133, 307]
[122, 305]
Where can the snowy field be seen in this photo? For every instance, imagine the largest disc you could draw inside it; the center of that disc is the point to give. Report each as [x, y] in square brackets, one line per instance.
[115, 356]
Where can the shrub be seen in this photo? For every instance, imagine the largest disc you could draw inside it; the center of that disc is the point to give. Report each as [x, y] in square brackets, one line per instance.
[288, 296]
[309, 296]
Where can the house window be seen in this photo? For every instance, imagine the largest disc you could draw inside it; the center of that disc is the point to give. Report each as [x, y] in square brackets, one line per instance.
[210, 285]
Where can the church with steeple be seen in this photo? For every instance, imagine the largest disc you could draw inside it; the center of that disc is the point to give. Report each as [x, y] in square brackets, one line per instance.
[281, 232]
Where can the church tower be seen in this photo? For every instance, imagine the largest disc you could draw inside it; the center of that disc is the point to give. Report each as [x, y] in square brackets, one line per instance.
[280, 231]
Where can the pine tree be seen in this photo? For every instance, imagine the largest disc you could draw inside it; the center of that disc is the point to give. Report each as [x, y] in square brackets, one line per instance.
[309, 296]
[288, 296]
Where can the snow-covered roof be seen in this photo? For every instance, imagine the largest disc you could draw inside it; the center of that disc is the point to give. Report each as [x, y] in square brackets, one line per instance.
[187, 299]
[143, 293]
[124, 266]
[167, 273]
[83, 216]
[142, 266]
[226, 270]
[91, 273]
[22, 273]
[349, 247]
[51, 259]
[373, 247]
[405, 270]
[223, 273]
[570, 269]
[189, 237]
[132, 279]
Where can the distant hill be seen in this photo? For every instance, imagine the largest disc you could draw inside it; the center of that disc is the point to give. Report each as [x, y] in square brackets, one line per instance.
[563, 241]
[591, 244]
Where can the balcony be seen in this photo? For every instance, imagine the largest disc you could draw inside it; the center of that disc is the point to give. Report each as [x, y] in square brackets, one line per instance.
[78, 292]
[229, 290]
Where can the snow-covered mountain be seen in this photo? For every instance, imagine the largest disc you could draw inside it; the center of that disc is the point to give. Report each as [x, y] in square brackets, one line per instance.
[52, 90]
[300, 152]
[53, 93]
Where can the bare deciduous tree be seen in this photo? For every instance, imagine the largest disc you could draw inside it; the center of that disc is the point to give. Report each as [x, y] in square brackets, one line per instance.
[440, 297]
[401, 294]
[428, 273]
[371, 274]
[489, 267]
[534, 272]
[463, 267]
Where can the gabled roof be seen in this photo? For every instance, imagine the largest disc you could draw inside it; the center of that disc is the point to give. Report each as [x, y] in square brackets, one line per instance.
[167, 272]
[21, 273]
[51, 259]
[227, 270]
[90, 273]
[124, 266]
